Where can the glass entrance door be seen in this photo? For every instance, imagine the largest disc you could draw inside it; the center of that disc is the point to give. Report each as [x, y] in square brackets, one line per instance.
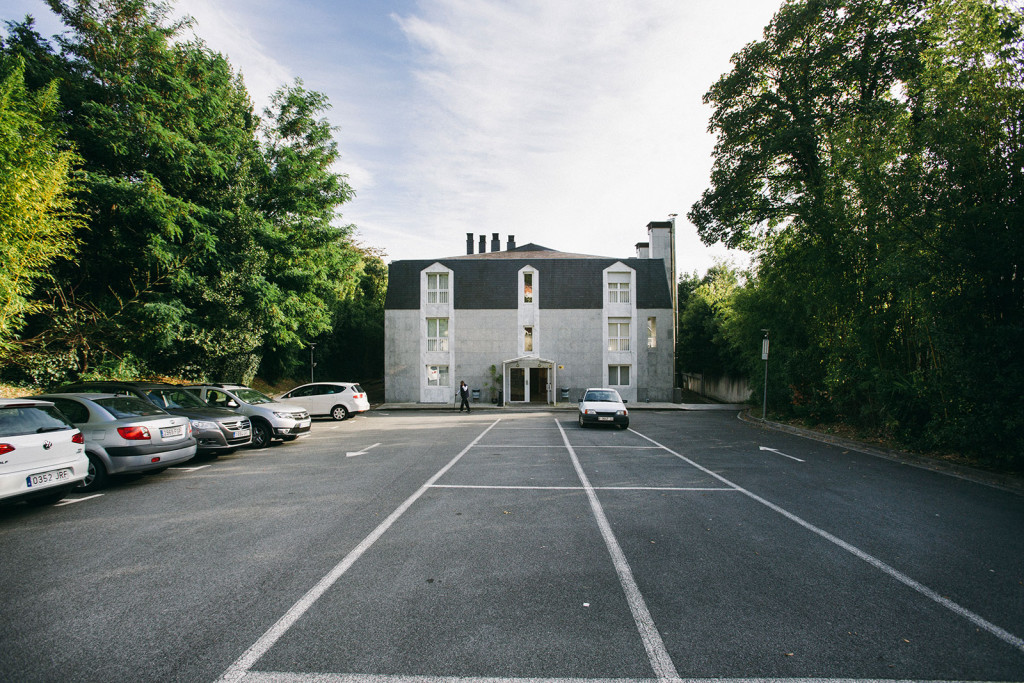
[517, 384]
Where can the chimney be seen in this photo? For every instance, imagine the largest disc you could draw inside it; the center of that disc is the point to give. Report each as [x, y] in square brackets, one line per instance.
[511, 243]
[495, 242]
[483, 244]
[643, 250]
[469, 243]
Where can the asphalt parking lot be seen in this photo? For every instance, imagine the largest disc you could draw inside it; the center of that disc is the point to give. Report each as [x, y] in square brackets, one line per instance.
[514, 545]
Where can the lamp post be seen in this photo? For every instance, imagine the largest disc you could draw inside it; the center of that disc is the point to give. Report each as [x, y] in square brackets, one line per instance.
[312, 345]
[764, 357]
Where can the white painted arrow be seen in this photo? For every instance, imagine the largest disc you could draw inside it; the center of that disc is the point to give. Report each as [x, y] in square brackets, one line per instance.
[763, 448]
[351, 454]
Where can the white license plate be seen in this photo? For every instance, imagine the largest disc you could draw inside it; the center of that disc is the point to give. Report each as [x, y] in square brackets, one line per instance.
[51, 477]
[240, 433]
[172, 431]
[605, 419]
[305, 423]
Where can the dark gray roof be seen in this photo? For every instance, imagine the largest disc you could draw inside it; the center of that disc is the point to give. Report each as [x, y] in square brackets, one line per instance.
[493, 283]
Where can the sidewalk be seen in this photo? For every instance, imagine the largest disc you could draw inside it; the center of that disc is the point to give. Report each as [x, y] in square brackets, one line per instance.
[533, 407]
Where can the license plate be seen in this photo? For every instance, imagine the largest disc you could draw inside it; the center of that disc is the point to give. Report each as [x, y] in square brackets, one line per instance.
[605, 419]
[305, 423]
[240, 433]
[172, 431]
[51, 477]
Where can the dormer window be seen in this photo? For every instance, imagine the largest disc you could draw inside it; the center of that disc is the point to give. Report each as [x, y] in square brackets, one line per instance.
[618, 288]
[437, 288]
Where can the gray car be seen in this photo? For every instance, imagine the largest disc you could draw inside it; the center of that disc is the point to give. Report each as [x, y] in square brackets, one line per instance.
[270, 419]
[218, 431]
[124, 434]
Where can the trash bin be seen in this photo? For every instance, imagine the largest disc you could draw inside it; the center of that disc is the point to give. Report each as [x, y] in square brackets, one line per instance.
[476, 395]
[565, 393]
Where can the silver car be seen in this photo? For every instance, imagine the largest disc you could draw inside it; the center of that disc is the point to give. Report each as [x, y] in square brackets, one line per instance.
[124, 434]
[270, 419]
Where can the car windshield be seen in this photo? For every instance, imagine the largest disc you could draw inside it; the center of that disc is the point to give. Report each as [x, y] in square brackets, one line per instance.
[357, 389]
[176, 398]
[251, 396]
[21, 420]
[128, 406]
[602, 397]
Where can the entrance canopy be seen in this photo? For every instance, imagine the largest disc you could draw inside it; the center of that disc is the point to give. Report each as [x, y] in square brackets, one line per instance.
[529, 379]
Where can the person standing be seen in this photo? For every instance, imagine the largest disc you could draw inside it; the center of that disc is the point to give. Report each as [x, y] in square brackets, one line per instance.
[464, 394]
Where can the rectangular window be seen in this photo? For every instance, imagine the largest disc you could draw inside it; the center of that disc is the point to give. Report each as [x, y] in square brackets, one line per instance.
[618, 288]
[527, 288]
[437, 288]
[618, 334]
[652, 333]
[437, 334]
[618, 375]
[527, 339]
[437, 375]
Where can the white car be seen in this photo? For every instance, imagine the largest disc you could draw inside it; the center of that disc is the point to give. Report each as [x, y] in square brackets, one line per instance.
[603, 406]
[42, 455]
[337, 399]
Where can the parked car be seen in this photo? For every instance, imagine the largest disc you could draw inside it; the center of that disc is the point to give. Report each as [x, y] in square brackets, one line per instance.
[217, 431]
[42, 455]
[270, 420]
[603, 406]
[124, 434]
[337, 399]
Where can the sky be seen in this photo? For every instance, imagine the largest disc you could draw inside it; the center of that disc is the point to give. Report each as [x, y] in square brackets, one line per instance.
[567, 123]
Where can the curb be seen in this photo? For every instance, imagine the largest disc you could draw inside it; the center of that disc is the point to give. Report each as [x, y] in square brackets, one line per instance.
[1005, 482]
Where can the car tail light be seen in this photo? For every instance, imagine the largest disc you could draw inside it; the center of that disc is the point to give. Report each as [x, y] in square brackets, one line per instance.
[133, 433]
[78, 437]
[360, 395]
[5, 448]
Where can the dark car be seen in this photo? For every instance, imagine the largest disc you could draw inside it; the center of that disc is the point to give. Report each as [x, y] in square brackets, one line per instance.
[217, 430]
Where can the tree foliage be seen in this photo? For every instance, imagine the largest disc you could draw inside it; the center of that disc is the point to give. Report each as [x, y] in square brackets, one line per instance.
[871, 153]
[212, 238]
[37, 225]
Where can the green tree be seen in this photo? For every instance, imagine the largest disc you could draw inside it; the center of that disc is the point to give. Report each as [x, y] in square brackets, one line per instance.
[37, 225]
[871, 153]
[705, 306]
[313, 264]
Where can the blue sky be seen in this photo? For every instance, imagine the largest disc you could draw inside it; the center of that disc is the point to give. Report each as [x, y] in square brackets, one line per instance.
[568, 123]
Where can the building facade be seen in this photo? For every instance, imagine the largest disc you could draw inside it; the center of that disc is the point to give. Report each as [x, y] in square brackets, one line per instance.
[529, 324]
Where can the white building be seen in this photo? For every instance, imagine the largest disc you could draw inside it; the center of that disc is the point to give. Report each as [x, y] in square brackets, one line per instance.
[532, 325]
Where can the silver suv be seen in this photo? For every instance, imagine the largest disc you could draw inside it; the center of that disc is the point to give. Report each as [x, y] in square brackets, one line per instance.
[270, 420]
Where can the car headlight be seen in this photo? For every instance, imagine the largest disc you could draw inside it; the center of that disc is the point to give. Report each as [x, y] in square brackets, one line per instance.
[622, 412]
[285, 416]
[203, 425]
[589, 411]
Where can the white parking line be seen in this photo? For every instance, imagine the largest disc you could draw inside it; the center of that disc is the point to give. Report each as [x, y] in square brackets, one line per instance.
[957, 609]
[72, 501]
[581, 488]
[287, 677]
[240, 668]
[658, 655]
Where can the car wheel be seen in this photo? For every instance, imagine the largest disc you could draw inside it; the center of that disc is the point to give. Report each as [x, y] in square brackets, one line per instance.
[97, 477]
[339, 412]
[260, 434]
[582, 423]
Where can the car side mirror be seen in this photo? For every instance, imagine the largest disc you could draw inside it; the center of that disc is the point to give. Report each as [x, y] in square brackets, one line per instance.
[624, 401]
[581, 399]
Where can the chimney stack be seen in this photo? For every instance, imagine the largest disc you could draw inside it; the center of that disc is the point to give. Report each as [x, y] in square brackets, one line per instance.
[511, 243]
[483, 244]
[469, 243]
[495, 242]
